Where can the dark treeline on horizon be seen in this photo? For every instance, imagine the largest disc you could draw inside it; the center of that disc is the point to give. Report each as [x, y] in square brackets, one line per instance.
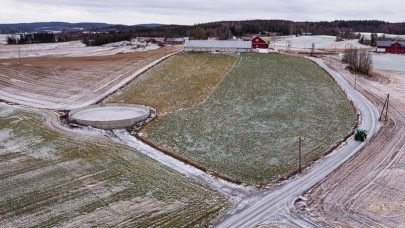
[220, 30]
[32, 38]
[105, 38]
[225, 29]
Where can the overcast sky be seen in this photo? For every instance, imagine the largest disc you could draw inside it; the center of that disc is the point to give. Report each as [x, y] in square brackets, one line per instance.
[196, 11]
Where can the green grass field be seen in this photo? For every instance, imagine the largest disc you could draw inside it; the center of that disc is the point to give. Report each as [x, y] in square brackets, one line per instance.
[249, 127]
[48, 179]
[178, 83]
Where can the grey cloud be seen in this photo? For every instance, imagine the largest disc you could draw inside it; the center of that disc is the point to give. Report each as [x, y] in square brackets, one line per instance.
[190, 12]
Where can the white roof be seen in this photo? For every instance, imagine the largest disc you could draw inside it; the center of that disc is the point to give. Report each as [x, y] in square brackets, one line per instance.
[218, 43]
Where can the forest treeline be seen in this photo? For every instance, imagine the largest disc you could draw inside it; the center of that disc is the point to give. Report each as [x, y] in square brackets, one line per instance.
[32, 38]
[219, 30]
[227, 29]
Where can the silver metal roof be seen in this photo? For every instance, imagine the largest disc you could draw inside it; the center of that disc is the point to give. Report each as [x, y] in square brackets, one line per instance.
[218, 43]
[388, 43]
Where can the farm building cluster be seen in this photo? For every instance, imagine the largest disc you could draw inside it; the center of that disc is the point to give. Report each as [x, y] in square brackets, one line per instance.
[161, 41]
[393, 47]
[227, 46]
[247, 44]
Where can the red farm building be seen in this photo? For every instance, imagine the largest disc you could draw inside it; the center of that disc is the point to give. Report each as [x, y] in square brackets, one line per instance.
[392, 46]
[260, 42]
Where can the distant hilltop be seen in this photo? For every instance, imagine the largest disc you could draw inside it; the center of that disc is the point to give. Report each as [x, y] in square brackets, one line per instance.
[62, 26]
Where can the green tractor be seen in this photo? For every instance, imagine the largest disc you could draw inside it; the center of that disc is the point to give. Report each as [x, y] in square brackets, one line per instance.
[361, 135]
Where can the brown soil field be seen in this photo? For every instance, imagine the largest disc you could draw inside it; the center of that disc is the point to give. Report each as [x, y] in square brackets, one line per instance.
[65, 83]
[368, 191]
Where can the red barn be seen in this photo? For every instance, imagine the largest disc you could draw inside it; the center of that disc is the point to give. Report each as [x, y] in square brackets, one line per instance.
[392, 46]
[260, 42]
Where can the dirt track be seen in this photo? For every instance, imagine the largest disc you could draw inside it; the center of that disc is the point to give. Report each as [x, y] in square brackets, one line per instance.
[368, 191]
[66, 83]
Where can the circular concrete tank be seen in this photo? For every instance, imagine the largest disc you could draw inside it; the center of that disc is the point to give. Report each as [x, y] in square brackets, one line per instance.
[110, 116]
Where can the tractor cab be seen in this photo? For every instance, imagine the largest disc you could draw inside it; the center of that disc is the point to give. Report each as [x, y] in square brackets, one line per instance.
[361, 135]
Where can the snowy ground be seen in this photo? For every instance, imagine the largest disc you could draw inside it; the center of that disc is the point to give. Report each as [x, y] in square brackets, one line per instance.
[70, 83]
[73, 48]
[367, 35]
[51, 177]
[392, 62]
[3, 38]
[321, 42]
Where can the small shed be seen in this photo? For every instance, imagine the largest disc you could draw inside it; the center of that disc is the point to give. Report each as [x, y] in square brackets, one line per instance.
[394, 47]
[261, 42]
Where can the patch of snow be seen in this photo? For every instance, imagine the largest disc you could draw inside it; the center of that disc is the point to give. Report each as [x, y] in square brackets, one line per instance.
[5, 134]
[118, 44]
[6, 112]
[45, 153]
[367, 35]
[392, 62]
[324, 42]
[3, 38]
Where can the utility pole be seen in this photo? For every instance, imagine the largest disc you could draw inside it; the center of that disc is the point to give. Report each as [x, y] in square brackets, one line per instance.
[299, 155]
[355, 81]
[385, 107]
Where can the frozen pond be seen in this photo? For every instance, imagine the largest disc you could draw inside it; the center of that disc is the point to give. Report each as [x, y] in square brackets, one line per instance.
[392, 62]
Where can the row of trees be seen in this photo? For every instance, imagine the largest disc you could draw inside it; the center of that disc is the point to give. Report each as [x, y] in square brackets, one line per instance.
[359, 60]
[98, 39]
[227, 29]
[347, 34]
[31, 38]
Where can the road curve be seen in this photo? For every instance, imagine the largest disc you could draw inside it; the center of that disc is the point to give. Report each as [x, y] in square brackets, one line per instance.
[279, 201]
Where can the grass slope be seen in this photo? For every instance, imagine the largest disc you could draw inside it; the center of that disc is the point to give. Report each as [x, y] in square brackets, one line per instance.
[180, 82]
[248, 129]
[48, 179]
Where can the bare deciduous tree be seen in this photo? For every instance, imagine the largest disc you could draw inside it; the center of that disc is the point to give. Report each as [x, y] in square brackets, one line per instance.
[359, 60]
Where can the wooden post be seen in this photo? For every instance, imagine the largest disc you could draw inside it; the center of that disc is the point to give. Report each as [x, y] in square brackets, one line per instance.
[355, 81]
[386, 110]
[299, 156]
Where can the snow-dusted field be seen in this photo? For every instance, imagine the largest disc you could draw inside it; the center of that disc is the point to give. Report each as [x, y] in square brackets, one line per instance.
[53, 177]
[248, 128]
[392, 62]
[321, 42]
[73, 48]
[69, 83]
